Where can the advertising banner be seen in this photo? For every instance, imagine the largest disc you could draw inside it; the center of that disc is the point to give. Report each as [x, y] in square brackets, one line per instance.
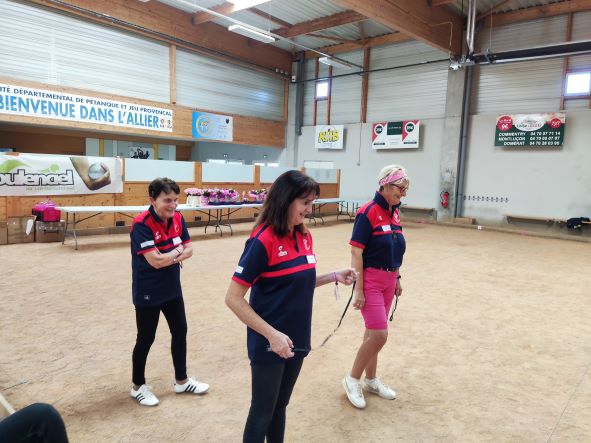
[141, 153]
[396, 135]
[32, 174]
[329, 136]
[546, 129]
[30, 102]
[213, 126]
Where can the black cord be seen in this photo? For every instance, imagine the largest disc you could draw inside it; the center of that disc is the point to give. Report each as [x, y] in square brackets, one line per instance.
[332, 333]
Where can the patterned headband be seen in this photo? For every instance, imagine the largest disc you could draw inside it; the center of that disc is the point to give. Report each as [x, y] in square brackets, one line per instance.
[393, 178]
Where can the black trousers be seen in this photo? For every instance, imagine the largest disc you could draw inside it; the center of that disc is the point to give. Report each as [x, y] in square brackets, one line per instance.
[147, 322]
[37, 423]
[272, 386]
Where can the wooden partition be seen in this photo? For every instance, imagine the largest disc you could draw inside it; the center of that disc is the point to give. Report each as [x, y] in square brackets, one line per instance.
[3, 211]
[136, 193]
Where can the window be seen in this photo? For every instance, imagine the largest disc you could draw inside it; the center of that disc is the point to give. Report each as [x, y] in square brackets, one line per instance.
[578, 83]
[322, 90]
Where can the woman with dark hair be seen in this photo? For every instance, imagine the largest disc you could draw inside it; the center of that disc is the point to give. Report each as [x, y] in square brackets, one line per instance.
[159, 243]
[279, 266]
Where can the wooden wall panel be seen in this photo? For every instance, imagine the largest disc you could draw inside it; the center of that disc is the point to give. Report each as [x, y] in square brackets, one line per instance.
[20, 206]
[247, 130]
[18, 129]
[3, 209]
[183, 153]
[43, 143]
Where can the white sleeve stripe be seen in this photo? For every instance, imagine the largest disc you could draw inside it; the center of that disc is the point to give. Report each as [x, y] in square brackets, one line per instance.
[147, 243]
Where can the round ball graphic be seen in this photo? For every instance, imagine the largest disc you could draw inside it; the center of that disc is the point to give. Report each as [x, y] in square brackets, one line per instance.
[96, 171]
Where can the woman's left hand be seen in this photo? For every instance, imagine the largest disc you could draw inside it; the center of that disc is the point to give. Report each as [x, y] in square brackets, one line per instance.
[346, 276]
[398, 291]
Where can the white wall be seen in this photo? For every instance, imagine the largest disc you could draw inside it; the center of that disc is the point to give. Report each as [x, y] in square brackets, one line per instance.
[538, 182]
[360, 164]
[202, 151]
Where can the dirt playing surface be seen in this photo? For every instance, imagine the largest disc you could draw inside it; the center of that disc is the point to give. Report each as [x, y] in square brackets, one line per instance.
[491, 341]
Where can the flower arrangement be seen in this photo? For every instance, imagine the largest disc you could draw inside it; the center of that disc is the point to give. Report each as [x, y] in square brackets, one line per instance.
[257, 195]
[193, 196]
[194, 191]
[216, 196]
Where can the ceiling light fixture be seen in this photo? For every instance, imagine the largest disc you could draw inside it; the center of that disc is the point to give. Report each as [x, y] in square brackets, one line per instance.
[336, 62]
[247, 3]
[251, 33]
[238, 22]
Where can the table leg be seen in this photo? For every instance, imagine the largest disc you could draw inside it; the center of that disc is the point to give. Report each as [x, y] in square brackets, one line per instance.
[66, 230]
[74, 232]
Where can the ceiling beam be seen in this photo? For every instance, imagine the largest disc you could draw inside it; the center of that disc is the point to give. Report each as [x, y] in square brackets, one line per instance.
[270, 17]
[538, 12]
[341, 18]
[165, 23]
[387, 39]
[361, 31]
[330, 37]
[492, 10]
[438, 27]
[225, 8]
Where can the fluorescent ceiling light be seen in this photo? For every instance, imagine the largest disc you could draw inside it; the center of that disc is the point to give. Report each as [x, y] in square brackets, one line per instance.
[251, 33]
[247, 3]
[337, 63]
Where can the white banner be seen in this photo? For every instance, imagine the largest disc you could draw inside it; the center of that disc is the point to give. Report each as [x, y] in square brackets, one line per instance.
[329, 136]
[32, 174]
[19, 100]
[395, 135]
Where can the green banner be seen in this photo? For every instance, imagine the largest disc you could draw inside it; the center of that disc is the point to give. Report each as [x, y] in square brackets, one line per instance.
[530, 129]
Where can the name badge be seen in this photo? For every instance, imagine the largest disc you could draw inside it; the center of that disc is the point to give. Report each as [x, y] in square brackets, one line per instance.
[176, 241]
[311, 259]
[387, 228]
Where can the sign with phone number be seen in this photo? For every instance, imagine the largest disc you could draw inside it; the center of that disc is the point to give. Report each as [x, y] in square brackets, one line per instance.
[545, 129]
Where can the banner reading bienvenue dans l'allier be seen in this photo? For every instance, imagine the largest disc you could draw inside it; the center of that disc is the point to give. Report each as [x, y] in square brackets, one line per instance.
[329, 136]
[30, 102]
[546, 129]
[33, 174]
[395, 135]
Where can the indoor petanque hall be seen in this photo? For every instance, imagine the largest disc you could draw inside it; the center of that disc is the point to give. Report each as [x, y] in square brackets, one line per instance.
[312, 221]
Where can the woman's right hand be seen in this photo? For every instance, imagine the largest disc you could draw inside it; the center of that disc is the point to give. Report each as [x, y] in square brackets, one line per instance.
[358, 299]
[281, 345]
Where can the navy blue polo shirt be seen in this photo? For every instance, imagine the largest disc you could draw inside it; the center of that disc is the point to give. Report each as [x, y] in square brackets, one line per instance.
[377, 230]
[150, 286]
[281, 272]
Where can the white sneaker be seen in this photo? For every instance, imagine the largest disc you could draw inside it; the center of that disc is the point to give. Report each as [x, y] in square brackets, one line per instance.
[376, 386]
[191, 386]
[144, 396]
[354, 392]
